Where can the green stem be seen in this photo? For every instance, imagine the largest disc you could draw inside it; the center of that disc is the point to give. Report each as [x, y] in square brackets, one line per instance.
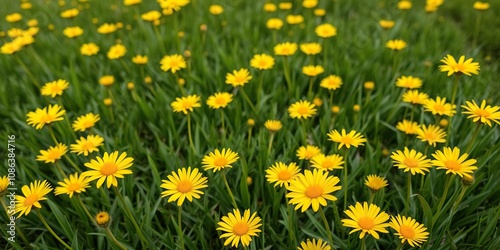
[189, 133]
[309, 92]
[50, 230]
[459, 199]
[59, 168]
[408, 193]
[453, 96]
[223, 128]
[249, 137]
[473, 139]
[327, 226]
[476, 31]
[443, 198]
[248, 101]
[345, 187]
[304, 131]
[259, 90]
[229, 189]
[331, 99]
[287, 74]
[72, 163]
[51, 132]
[269, 147]
[363, 243]
[290, 223]
[179, 223]
[160, 41]
[37, 84]
[112, 237]
[85, 209]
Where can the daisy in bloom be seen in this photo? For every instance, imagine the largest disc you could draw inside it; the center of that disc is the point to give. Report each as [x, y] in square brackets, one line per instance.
[273, 125]
[107, 28]
[375, 182]
[414, 97]
[116, 51]
[274, 23]
[404, 5]
[482, 114]
[463, 66]
[140, 59]
[173, 63]
[285, 49]
[451, 160]
[71, 13]
[87, 145]
[52, 154]
[386, 24]
[32, 195]
[367, 219]
[44, 116]
[215, 9]
[307, 152]
[312, 189]
[408, 127]
[478, 5]
[281, 174]
[219, 100]
[431, 134]
[327, 162]
[411, 160]
[409, 230]
[85, 122]
[72, 32]
[352, 139]
[262, 62]
[396, 44]
[294, 19]
[107, 80]
[314, 245]
[310, 48]
[440, 107]
[54, 88]
[312, 70]
[302, 109]
[218, 160]
[109, 168]
[409, 82]
[325, 30]
[151, 16]
[331, 82]
[238, 77]
[10, 48]
[4, 183]
[239, 228]
[72, 184]
[186, 104]
[89, 49]
[131, 2]
[185, 184]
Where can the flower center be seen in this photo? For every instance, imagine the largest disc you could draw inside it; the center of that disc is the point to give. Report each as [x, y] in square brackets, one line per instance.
[87, 145]
[439, 108]
[459, 68]
[187, 105]
[411, 163]
[347, 140]
[483, 113]
[73, 187]
[452, 165]
[284, 175]
[54, 155]
[184, 186]
[30, 200]
[240, 228]
[55, 89]
[87, 124]
[302, 110]
[220, 162]
[47, 118]
[407, 232]
[220, 100]
[429, 136]
[366, 223]
[262, 63]
[314, 191]
[173, 64]
[327, 163]
[109, 168]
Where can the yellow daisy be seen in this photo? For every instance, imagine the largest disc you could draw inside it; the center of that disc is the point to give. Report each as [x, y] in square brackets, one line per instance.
[109, 168]
[451, 160]
[375, 182]
[103, 219]
[285, 49]
[89, 49]
[140, 59]
[431, 134]
[463, 66]
[4, 183]
[327, 162]
[281, 174]
[408, 127]
[239, 228]
[310, 48]
[33, 194]
[87, 145]
[312, 189]
[186, 104]
[262, 62]
[107, 80]
[44, 116]
[52, 154]
[331, 82]
[440, 107]
[54, 88]
[396, 44]
[409, 82]
[116, 51]
[238, 77]
[107, 28]
[72, 32]
[173, 63]
[307, 152]
[72, 184]
[273, 125]
[386, 24]
[482, 114]
[325, 30]
[85, 122]
[367, 219]
[219, 100]
[274, 23]
[409, 229]
[218, 160]
[302, 109]
[312, 70]
[314, 245]
[352, 139]
[411, 160]
[185, 184]
[415, 97]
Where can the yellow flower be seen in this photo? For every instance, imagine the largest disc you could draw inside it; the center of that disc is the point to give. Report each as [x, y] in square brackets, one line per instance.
[404, 5]
[327, 162]
[367, 219]
[151, 16]
[218, 160]
[307, 152]
[116, 51]
[386, 24]
[411, 160]
[302, 109]
[440, 107]
[71, 13]
[54, 88]
[294, 19]
[4, 183]
[325, 30]
[482, 114]
[317, 102]
[87, 145]
[238, 77]
[72, 184]
[409, 82]
[270, 7]
[461, 67]
[72, 32]
[312, 70]
[14, 17]
[44, 116]
[262, 62]
[108, 168]
[415, 97]
[273, 125]
[369, 85]
[319, 12]
[186, 104]
[281, 174]
[352, 139]
[185, 184]
[172, 5]
[396, 44]
[131, 2]
[312, 189]
[219, 100]
[409, 127]
[85, 122]
[431, 134]
[106, 80]
[215, 9]
[285, 49]
[331, 82]
[107, 28]
[375, 182]
[52, 154]
[89, 49]
[409, 229]
[310, 48]
[285, 5]
[139, 59]
[481, 5]
[451, 160]
[274, 23]
[33, 194]
[10, 48]
[173, 63]
[309, 4]
[314, 245]
[239, 228]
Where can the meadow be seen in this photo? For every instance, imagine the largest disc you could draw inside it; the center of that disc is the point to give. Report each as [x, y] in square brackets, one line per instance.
[305, 124]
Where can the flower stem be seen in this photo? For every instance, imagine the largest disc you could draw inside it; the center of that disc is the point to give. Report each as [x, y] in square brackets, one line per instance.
[363, 243]
[443, 198]
[269, 147]
[259, 90]
[287, 74]
[408, 192]
[249, 102]
[229, 189]
[51, 132]
[85, 208]
[453, 96]
[309, 92]
[189, 133]
[179, 223]
[290, 222]
[50, 230]
[473, 139]
[37, 84]
[249, 136]
[59, 168]
[72, 163]
[223, 128]
[112, 237]
[327, 226]
[304, 131]
[345, 187]
[459, 199]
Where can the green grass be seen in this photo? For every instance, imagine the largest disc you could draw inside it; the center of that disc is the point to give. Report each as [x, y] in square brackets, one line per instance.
[142, 123]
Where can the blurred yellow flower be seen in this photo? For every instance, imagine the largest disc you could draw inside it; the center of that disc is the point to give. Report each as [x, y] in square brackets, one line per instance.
[215, 9]
[396, 44]
[273, 125]
[310, 48]
[173, 63]
[294, 19]
[151, 16]
[140, 59]
[72, 32]
[14, 17]
[353, 138]
[431, 134]
[262, 61]
[87, 145]
[375, 182]
[307, 152]
[89, 49]
[404, 5]
[408, 127]
[415, 97]
[325, 30]
[463, 66]
[409, 82]
[54, 88]
[440, 107]
[106, 80]
[327, 162]
[238, 77]
[46, 115]
[481, 5]
[219, 100]
[285, 49]
[274, 23]
[186, 104]
[302, 109]
[85, 122]
[116, 51]
[482, 114]
[312, 70]
[52, 154]
[331, 82]
[386, 24]
[270, 7]
[70, 13]
[107, 28]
